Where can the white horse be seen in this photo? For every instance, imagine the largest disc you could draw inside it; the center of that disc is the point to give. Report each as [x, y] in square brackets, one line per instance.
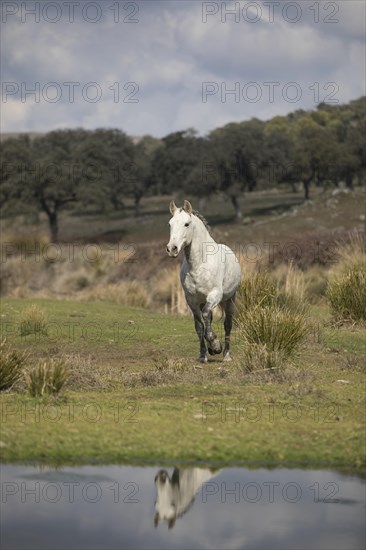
[210, 275]
[176, 494]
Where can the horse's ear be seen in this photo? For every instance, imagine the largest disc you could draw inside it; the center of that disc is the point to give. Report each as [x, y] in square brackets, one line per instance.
[172, 207]
[156, 519]
[187, 207]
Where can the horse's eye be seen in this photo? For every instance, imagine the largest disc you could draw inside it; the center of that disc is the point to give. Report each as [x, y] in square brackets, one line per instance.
[186, 224]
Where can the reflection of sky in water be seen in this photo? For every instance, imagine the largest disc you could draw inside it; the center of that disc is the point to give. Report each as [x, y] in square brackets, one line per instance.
[212, 521]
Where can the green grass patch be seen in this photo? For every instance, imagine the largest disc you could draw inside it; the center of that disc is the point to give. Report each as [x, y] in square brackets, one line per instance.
[176, 410]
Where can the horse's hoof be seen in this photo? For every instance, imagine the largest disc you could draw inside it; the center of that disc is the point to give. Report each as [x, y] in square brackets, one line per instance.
[202, 359]
[227, 358]
[216, 346]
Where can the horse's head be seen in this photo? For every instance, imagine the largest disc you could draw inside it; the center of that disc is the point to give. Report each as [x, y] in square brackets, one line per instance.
[181, 230]
[165, 506]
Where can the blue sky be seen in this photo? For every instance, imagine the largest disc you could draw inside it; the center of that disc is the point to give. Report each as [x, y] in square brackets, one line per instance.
[162, 66]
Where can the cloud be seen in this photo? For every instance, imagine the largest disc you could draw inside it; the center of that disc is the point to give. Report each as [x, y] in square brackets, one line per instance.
[15, 116]
[168, 54]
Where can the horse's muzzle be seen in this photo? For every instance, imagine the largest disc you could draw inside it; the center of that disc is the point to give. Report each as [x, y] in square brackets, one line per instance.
[172, 251]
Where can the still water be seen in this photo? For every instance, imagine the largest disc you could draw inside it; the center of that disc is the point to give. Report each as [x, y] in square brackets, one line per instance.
[115, 507]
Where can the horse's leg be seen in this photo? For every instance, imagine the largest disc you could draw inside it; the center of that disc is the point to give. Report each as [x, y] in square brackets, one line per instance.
[228, 323]
[200, 329]
[214, 344]
[209, 348]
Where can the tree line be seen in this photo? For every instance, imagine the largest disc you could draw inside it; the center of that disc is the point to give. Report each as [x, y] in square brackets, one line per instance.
[99, 169]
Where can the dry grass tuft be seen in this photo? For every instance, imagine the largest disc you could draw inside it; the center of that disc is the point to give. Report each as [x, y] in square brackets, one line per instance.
[167, 289]
[48, 377]
[82, 372]
[297, 380]
[316, 283]
[165, 370]
[33, 320]
[354, 363]
[11, 365]
[86, 373]
[271, 323]
[291, 286]
[347, 295]
[351, 255]
[129, 293]
[24, 242]
[346, 290]
[270, 336]
[16, 272]
[257, 290]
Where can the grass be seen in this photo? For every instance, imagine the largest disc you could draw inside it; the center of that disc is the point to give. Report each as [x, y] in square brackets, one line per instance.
[131, 293]
[257, 290]
[11, 365]
[346, 289]
[46, 378]
[279, 330]
[347, 296]
[137, 393]
[33, 321]
[271, 321]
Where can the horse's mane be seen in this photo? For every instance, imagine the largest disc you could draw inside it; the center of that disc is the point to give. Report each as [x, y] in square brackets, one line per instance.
[203, 220]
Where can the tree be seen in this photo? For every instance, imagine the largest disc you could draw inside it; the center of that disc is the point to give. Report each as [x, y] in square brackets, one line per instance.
[107, 159]
[316, 153]
[173, 163]
[43, 176]
[15, 158]
[277, 164]
[237, 153]
[142, 181]
[56, 179]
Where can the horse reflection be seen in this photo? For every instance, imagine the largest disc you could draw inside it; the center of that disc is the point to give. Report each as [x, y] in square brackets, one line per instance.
[176, 494]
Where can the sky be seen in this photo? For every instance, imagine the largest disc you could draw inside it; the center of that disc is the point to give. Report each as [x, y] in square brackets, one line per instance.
[156, 67]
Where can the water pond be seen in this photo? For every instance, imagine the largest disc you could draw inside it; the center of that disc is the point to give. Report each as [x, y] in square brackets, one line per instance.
[117, 507]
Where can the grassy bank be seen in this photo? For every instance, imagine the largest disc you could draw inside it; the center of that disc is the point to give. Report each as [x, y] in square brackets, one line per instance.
[135, 392]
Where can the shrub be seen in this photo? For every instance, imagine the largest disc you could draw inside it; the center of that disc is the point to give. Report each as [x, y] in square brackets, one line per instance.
[11, 364]
[351, 255]
[82, 282]
[257, 290]
[347, 295]
[261, 290]
[16, 272]
[271, 324]
[47, 377]
[33, 321]
[346, 289]
[318, 248]
[280, 330]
